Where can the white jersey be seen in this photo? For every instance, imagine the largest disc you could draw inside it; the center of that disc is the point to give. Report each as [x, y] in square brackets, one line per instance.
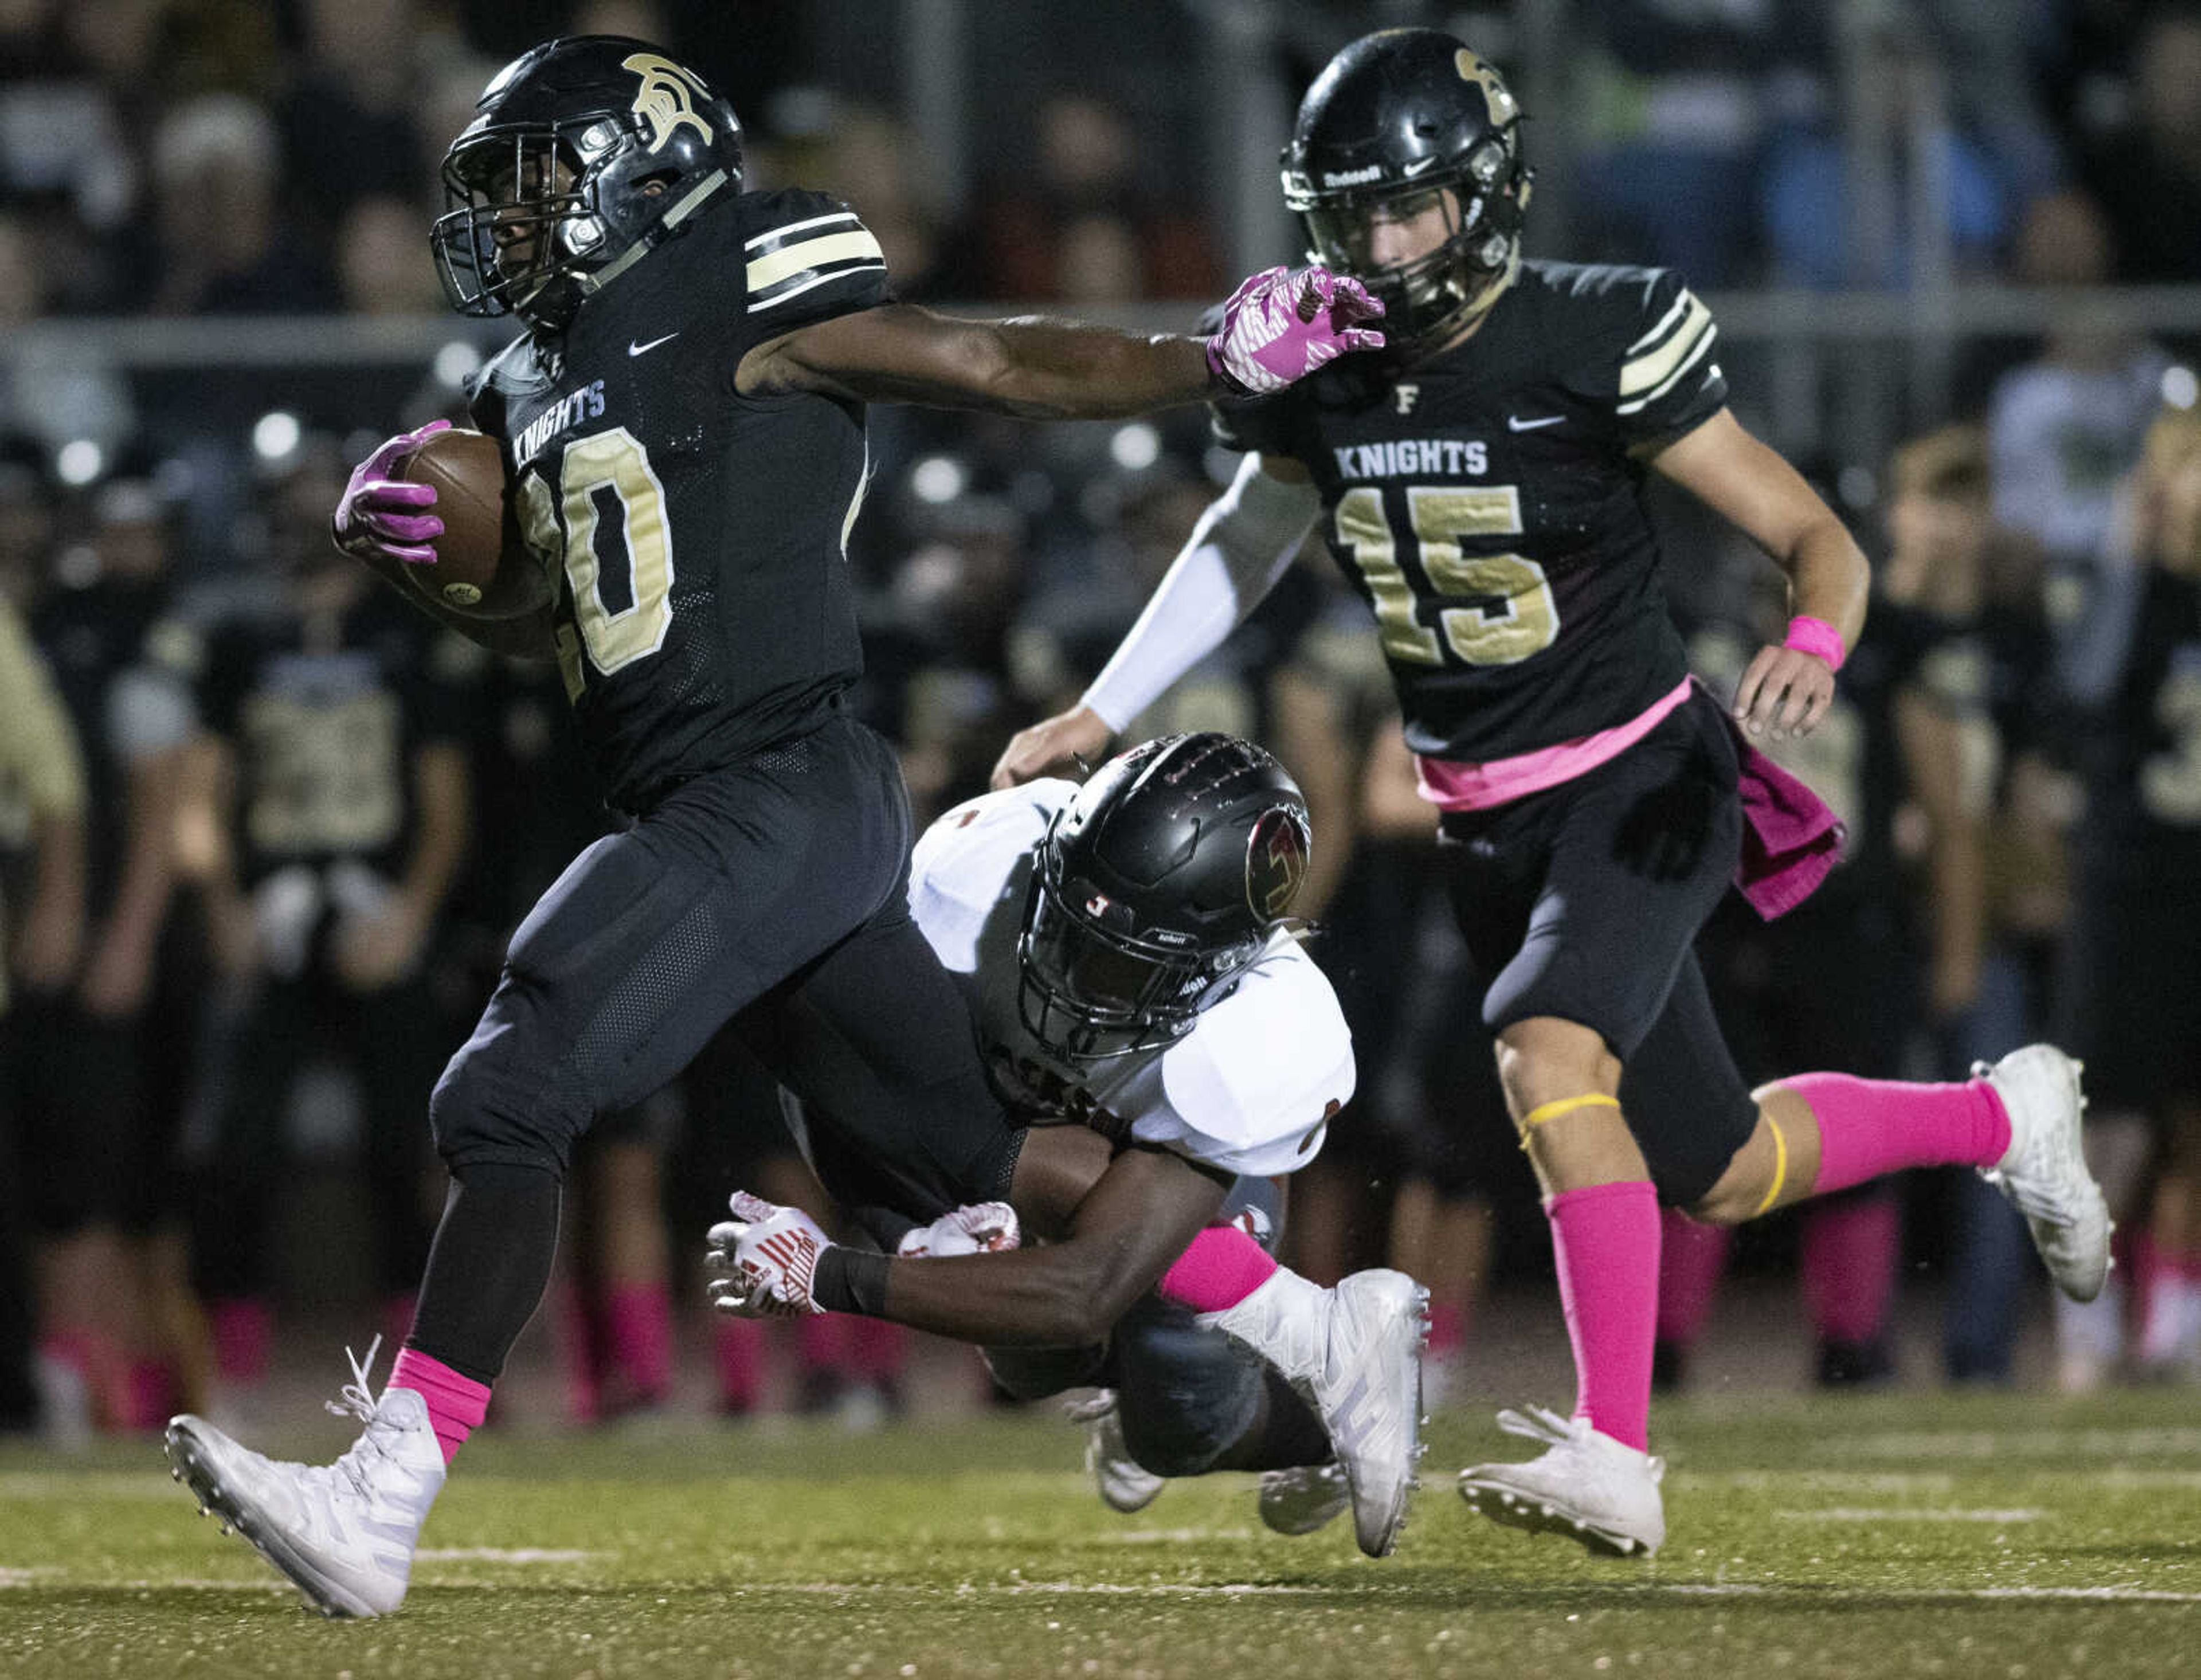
[1250, 1089]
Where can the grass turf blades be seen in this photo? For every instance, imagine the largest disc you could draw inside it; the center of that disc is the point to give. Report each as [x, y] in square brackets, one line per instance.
[1992, 1535]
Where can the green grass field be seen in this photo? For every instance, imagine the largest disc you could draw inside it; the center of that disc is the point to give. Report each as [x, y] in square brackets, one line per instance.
[2002, 1535]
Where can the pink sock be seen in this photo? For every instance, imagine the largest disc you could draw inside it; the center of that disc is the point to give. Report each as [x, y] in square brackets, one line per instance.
[820, 1343]
[149, 1395]
[1852, 1249]
[638, 1337]
[243, 1333]
[737, 1349]
[1606, 1242]
[878, 1349]
[456, 1404]
[575, 1336]
[1447, 1328]
[1869, 1128]
[1692, 1258]
[1218, 1269]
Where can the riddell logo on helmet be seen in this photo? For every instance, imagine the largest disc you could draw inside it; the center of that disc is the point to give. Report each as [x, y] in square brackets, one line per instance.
[668, 97]
[1276, 863]
[1351, 177]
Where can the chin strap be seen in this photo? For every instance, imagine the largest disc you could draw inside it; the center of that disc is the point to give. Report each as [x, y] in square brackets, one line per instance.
[653, 236]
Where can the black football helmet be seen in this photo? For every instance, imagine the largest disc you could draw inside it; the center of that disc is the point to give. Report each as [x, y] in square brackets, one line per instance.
[1393, 119]
[1163, 877]
[546, 191]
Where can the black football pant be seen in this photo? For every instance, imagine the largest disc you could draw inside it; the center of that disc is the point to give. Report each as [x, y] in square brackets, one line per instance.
[1186, 1395]
[772, 893]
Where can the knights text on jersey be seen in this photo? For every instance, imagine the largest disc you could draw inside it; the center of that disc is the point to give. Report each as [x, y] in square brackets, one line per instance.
[705, 607]
[1488, 503]
[1250, 1090]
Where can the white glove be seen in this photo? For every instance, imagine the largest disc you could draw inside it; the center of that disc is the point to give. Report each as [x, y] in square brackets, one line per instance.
[982, 1228]
[767, 1255]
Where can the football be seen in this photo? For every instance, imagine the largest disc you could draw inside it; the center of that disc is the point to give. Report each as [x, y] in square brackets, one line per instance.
[482, 569]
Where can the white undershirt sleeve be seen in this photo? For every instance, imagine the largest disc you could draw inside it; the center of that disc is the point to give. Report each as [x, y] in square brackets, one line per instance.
[1241, 546]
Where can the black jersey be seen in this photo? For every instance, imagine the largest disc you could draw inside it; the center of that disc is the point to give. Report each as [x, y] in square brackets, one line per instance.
[1488, 503]
[2151, 791]
[325, 714]
[706, 608]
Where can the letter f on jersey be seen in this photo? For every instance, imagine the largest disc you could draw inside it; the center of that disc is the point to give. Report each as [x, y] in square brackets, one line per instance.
[1407, 396]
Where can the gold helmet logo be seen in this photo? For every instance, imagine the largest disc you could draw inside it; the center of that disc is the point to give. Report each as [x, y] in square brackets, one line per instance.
[1275, 862]
[1495, 94]
[666, 98]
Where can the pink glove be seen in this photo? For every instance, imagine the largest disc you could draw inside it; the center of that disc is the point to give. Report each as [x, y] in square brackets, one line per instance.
[1282, 325]
[769, 1256]
[982, 1228]
[379, 517]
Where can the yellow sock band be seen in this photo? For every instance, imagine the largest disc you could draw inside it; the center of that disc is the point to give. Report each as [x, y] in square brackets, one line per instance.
[1780, 1165]
[1566, 1105]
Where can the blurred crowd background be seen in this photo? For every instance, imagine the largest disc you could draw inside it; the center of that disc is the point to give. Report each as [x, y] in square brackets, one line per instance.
[266, 833]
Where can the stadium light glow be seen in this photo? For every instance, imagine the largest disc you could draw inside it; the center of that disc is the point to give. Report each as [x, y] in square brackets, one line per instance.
[80, 461]
[2179, 387]
[1136, 447]
[275, 435]
[938, 479]
[457, 362]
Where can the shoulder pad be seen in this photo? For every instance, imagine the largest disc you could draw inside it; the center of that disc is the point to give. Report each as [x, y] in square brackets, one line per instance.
[1266, 1065]
[809, 246]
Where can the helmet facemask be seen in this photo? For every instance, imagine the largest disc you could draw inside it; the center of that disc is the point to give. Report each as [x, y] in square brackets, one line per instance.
[1090, 986]
[1430, 297]
[521, 213]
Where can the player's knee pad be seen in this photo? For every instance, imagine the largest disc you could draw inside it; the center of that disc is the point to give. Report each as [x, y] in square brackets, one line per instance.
[481, 1111]
[1034, 1373]
[1183, 1394]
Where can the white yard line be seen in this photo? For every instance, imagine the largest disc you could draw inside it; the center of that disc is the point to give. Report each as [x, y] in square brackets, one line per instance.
[503, 1554]
[1906, 1513]
[2018, 1443]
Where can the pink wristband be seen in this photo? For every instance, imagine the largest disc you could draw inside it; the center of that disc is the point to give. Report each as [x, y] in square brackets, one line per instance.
[1808, 635]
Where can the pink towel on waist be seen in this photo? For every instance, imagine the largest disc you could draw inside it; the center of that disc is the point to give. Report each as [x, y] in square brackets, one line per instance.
[1790, 839]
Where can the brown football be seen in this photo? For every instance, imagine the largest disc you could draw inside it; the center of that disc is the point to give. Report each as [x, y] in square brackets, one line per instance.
[481, 569]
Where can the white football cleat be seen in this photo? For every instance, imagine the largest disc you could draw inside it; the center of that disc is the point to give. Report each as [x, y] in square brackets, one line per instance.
[1599, 1490]
[1125, 1484]
[1301, 1500]
[2043, 1173]
[1354, 1354]
[344, 1532]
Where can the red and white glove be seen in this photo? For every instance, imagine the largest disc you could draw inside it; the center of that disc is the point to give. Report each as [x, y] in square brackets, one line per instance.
[382, 518]
[768, 1257]
[1282, 324]
[982, 1228]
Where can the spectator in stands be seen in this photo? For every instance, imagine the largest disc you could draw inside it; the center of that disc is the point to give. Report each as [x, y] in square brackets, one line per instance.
[41, 817]
[2132, 991]
[2064, 428]
[100, 1111]
[378, 260]
[2148, 175]
[225, 246]
[348, 119]
[340, 723]
[1081, 227]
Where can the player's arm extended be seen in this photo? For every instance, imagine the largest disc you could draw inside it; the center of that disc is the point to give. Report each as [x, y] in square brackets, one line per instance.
[1242, 544]
[1755, 489]
[1124, 1226]
[1277, 328]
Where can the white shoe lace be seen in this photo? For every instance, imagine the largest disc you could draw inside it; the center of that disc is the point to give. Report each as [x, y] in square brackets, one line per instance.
[1541, 1424]
[356, 1399]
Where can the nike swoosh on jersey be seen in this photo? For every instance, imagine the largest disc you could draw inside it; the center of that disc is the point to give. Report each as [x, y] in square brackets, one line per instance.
[633, 348]
[1515, 423]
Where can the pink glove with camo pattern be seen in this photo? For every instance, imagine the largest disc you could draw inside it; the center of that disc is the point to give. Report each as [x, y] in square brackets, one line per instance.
[1282, 324]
